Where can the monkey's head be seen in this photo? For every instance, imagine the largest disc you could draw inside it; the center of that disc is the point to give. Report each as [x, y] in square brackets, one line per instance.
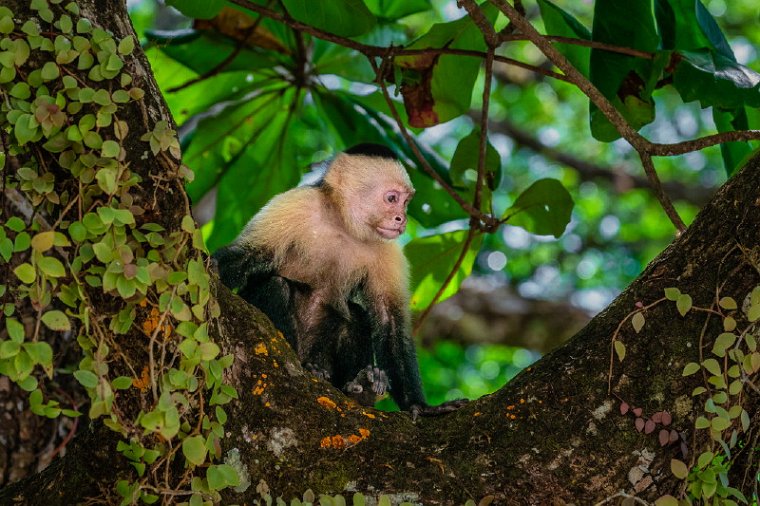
[371, 190]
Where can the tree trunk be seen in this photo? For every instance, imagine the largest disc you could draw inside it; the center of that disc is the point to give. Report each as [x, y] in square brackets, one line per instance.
[555, 433]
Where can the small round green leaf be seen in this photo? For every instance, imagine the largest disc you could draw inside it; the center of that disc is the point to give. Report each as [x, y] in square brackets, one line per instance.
[712, 366]
[194, 449]
[638, 321]
[88, 379]
[620, 350]
[679, 469]
[56, 320]
[26, 273]
[50, 71]
[683, 303]
[122, 383]
[43, 241]
[52, 267]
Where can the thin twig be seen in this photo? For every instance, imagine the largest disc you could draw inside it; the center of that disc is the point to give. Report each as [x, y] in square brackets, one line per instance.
[641, 144]
[380, 51]
[480, 20]
[593, 44]
[483, 148]
[219, 67]
[473, 212]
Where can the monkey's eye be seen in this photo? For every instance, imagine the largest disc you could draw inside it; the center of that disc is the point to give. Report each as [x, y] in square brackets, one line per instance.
[391, 197]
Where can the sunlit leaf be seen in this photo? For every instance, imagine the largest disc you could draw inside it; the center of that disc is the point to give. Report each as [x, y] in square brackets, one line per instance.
[348, 18]
[560, 22]
[432, 259]
[543, 208]
[202, 9]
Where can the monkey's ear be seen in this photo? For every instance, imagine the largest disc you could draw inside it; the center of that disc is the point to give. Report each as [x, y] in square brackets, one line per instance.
[369, 149]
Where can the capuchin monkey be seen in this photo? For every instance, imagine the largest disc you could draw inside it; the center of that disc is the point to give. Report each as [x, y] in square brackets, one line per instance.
[322, 263]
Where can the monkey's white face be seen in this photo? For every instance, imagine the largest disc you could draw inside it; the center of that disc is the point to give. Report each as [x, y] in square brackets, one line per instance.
[389, 217]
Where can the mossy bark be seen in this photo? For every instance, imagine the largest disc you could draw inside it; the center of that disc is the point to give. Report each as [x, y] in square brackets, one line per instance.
[554, 433]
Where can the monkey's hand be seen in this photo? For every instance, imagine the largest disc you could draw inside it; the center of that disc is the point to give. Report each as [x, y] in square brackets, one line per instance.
[368, 386]
[417, 410]
[317, 371]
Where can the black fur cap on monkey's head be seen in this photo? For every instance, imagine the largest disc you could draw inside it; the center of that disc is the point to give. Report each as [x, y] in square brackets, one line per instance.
[370, 149]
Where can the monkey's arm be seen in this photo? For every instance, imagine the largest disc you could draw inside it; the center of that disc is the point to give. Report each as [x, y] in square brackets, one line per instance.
[240, 264]
[395, 354]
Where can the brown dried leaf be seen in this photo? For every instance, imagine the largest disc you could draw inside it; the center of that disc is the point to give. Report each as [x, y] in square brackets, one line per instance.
[639, 424]
[637, 411]
[663, 437]
[624, 407]
[667, 419]
[673, 436]
[649, 427]
[657, 417]
[486, 500]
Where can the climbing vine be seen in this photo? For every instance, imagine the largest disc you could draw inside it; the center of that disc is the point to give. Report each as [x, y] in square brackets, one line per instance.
[83, 258]
[728, 364]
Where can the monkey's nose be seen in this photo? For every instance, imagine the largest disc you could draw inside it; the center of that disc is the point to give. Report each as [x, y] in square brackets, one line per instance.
[400, 219]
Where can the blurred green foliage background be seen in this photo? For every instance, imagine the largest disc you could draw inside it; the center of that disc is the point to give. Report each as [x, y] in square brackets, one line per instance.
[539, 127]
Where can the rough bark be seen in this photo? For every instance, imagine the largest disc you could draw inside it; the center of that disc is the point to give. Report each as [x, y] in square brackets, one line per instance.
[553, 433]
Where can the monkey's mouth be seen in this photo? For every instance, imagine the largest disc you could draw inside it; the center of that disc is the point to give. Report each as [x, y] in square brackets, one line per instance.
[389, 233]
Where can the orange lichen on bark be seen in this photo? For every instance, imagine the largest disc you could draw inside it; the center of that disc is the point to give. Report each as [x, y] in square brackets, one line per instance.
[326, 402]
[339, 442]
[369, 415]
[260, 386]
[151, 322]
[143, 382]
[261, 349]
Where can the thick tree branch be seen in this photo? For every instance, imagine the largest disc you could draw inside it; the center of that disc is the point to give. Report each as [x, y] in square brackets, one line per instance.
[618, 175]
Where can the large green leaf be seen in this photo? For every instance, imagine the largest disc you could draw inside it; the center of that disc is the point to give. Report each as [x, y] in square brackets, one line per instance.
[707, 71]
[218, 141]
[466, 158]
[199, 97]
[677, 30]
[348, 18]
[432, 258]
[199, 9]
[464, 168]
[395, 9]
[203, 50]
[716, 80]
[626, 81]
[559, 22]
[543, 208]
[266, 166]
[329, 58]
[439, 88]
